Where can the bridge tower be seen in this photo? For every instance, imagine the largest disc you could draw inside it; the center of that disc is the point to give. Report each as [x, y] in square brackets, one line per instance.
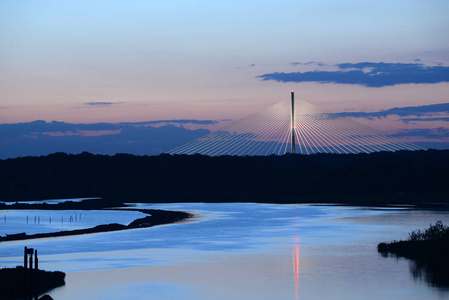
[293, 122]
[270, 130]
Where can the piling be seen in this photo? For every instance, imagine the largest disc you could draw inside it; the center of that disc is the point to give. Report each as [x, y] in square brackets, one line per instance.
[31, 259]
[36, 261]
[25, 265]
[292, 113]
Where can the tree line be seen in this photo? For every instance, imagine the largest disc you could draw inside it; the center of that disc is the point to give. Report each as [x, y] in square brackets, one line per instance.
[383, 177]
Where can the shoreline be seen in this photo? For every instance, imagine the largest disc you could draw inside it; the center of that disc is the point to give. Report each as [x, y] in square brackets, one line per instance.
[155, 217]
[427, 249]
[162, 217]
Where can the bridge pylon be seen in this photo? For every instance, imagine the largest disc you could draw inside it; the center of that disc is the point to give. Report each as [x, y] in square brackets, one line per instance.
[293, 149]
[293, 126]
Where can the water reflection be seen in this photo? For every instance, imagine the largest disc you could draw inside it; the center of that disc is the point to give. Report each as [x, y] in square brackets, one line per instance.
[433, 272]
[239, 251]
[296, 269]
[435, 276]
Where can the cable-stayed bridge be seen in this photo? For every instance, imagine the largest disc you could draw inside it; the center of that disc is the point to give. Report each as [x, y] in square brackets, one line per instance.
[291, 126]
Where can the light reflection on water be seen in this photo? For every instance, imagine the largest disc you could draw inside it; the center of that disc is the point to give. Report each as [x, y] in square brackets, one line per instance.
[240, 251]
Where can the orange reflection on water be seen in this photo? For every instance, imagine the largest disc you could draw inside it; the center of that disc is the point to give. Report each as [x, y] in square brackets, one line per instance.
[296, 267]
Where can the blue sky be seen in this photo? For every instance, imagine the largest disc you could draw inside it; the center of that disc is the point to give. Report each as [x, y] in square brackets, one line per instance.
[137, 61]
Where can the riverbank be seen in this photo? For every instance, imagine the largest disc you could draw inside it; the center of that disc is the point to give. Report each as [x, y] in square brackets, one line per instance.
[21, 283]
[428, 249]
[155, 217]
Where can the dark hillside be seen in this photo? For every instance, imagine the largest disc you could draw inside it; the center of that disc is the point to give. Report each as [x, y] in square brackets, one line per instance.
[383, 177]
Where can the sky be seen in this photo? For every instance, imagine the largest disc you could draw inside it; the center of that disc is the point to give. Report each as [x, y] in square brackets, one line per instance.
[90, 62]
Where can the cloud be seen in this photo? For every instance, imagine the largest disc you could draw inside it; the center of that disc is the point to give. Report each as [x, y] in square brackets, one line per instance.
[307, 63]
[433, 133]
[442, 119]
[247, 66]
[198, 122]
[101, 103]
[434, 138]
[424, 110]
[40, 127]
[42, 138]
[368, 74]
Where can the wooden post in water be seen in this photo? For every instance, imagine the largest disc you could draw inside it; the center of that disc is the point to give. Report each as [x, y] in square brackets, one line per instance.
[31, 258]
[35, 260]
[25, 265]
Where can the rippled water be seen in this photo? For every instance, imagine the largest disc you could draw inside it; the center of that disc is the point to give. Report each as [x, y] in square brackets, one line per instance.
[240, 251]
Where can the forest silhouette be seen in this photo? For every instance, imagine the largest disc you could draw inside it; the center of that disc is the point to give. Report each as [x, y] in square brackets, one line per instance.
[376, 178]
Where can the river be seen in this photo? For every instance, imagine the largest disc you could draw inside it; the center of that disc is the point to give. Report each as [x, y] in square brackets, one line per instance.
[241, 251]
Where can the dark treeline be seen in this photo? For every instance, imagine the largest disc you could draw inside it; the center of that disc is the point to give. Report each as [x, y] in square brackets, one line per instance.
[384, 177]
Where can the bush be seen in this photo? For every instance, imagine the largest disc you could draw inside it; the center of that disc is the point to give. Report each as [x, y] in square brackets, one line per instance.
[434, 232]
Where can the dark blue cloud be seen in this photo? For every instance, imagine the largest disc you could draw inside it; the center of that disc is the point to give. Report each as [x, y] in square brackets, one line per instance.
[443, 119]
[139, 140]
[101, 103]
[435, 138]
[33, 138]
[307, 63]
[368, 74]
[434, 133]
[40, 127]
[424, 110]
[182, 121]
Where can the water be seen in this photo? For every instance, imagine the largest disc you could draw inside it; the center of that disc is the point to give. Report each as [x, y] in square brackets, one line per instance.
[241, 251]
[44, 221]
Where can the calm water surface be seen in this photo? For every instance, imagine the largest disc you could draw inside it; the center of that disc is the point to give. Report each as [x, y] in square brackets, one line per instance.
[241, 251]
[43, 221]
